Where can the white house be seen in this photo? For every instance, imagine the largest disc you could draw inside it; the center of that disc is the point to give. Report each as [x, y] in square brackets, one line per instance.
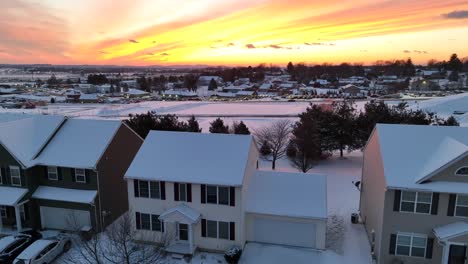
[204, 191]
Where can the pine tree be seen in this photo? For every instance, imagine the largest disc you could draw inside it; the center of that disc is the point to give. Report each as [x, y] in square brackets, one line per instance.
[213, 85]
[218, 127]
[265, 149]
[193, 126]
[241, 129]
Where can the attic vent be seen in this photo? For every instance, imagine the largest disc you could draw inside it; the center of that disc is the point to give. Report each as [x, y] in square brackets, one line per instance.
[463, 171]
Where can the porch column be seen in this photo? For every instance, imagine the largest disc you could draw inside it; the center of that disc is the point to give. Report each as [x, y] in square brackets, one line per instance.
[18, 218]
[190, 233]
[445, 252]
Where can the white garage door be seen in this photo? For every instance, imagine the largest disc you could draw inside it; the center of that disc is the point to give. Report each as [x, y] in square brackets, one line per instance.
[282, 232]
[64, 219]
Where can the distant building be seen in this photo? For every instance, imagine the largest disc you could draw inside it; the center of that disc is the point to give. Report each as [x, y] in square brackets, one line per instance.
[205, 80]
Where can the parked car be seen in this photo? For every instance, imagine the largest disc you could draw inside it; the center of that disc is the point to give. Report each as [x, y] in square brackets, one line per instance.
[12, 246]
[44, 250]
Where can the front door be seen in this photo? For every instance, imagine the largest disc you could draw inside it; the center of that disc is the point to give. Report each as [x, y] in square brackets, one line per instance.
[183, 232]
[457, 254]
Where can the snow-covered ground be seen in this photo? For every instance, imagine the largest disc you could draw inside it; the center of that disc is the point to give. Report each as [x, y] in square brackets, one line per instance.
[446, 106]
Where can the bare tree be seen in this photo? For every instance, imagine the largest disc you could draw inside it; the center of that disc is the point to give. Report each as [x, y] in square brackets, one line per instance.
[85, 251]
[276, 136]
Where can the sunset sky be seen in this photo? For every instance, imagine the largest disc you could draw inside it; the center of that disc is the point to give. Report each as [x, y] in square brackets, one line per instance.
[230, 32]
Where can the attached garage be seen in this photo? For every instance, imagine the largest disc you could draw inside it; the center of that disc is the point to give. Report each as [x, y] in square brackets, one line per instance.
[64, 219]
[287, 209]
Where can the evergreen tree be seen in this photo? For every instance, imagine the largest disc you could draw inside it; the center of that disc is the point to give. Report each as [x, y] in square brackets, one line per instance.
[291, 150]
[218, 127]
[454, 64]
[453, 77]
[241, 129]
[342, 125]
[265, 149]
[213, 85]
[451, 121]
[193, 126]
[290, 68]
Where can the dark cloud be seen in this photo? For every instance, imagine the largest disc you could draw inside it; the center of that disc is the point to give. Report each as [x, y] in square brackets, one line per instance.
[406, 51]
[231, 44]
[420, 51]
[250, 46]
[133, 41]
[164, 54]
[275, 47]
[459, 14]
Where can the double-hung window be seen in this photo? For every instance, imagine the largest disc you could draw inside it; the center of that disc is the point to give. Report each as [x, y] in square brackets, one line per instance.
[411, 245]
[183, 192]
[148, 189]
[217, 194]
[218, 229]
[461, 206]
[416, 202]
[15, 175]
[80, 175]
[3, 212]
[149, 222]
[52, 173]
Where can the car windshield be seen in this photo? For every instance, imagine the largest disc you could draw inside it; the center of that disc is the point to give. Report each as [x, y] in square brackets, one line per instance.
[14, 245]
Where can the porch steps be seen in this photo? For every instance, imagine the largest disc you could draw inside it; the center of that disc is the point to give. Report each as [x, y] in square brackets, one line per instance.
[177, 256]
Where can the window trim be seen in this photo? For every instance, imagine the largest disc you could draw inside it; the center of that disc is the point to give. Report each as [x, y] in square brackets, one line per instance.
[411, 235]
[456, 205]
[217, 194]
[52, 173]
[150, 193]
[3, 211]
[161, 223]
[18, 177]
[217, 229]
[459, 174]
[80, 175]
[416, 202]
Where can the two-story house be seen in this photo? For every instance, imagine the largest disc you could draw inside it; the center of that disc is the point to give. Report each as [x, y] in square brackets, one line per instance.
[414, 194]
[61, 173]
[194, 190]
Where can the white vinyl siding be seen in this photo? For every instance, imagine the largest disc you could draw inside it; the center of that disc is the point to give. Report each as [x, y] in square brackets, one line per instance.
[461, 206]
[15, 176]
[411, 245]
[416, 202]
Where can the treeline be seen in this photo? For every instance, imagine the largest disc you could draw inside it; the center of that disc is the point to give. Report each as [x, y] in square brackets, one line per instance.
[255, 74]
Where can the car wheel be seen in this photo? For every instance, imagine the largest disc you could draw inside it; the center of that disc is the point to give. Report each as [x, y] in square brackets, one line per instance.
[67, 246]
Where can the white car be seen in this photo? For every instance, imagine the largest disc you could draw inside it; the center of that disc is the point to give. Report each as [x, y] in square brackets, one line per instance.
[44, 250]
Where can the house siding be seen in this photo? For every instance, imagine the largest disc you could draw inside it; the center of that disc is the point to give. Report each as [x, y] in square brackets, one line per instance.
[373, 192]
[395, 222]
[448, 174]
[111, 169]
[67, 181]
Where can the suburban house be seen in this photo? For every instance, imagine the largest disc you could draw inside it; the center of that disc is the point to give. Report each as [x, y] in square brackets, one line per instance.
[414, 194]
[61, 173]
[194, 190]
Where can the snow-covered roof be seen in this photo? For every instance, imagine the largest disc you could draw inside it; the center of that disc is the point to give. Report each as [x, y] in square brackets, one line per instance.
[451, 230]
[34, 249]
[24, 138]
[187, 212]
[64, 194]
[6, 241]
[288, 194]
[79, 143]
[136, 92]
[10, 196]
[192, 157]
[411, 152]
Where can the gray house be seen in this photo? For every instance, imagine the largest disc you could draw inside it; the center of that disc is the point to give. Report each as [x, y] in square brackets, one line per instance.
[60, 173]
[414, 195]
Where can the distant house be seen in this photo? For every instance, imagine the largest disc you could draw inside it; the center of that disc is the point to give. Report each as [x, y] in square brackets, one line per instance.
[414, 194]
[72, 95]
[135, 93]
[60, 173]
[205, 80]
[192, 207]
[351, 90]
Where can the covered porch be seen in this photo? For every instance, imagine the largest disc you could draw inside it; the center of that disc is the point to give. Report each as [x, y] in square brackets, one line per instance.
[453, 238]
[184, 218]
[11, 209]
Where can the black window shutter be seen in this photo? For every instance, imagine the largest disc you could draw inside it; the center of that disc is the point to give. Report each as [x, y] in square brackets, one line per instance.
[232, 196]
[429, 246]
[87, 172]
[435, 203]
[232, 231]
[396, 201]
[8, 176]
[3, 175]
[203, 193]
[392, 244]
[163, 190]
[59, 174]
[73, 175]
[203, 227]
[451, 205]
[136, 188]
[137, 220]
[176, 191]
[162, 226]
[189, 192]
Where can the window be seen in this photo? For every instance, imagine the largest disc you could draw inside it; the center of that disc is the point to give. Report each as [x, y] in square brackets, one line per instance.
[461, 206]
[223, 228]
[212, 229]
[80, 175]
[148, 189]
[183, 192]
[155, 191]
[156, 224]
[145, 221]
[52, 173]
[463, 171]
[217, 194]
[411, 245]
[416, 202]
[15, 175]
[3, 212]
